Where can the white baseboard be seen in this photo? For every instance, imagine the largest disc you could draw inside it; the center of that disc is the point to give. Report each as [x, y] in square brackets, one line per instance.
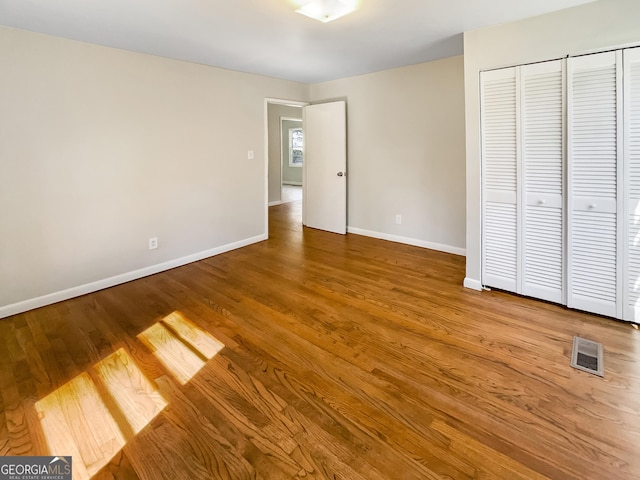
[55, 297]
[472, 284]
[277, 202]
[409, 241]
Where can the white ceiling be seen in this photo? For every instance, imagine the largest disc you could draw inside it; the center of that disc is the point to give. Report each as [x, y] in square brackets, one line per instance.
[268, 38]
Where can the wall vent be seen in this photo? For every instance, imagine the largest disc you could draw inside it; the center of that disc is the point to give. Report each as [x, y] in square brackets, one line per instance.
[587, 356]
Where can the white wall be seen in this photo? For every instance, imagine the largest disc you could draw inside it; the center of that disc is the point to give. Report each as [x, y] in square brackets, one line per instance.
[101, 149]
[406, 152]
[274, 113]
[599, 25]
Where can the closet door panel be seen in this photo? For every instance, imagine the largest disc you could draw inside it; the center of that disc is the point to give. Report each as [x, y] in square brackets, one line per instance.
[594, 117]
[542, 115]
[500, 185]
[631, 297]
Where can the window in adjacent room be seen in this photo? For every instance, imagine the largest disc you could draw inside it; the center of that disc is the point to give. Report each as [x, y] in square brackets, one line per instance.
[296, 144]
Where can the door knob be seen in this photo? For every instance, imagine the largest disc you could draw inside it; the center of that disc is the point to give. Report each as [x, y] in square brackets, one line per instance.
[340, 174]
[592, 206]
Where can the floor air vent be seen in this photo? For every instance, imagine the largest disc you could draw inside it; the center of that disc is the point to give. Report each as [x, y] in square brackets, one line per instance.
[588, 356]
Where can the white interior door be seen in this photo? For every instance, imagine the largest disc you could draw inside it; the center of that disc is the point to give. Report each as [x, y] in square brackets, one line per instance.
[594, 125]
[631, 297]
[500, 132]
[324, 185]
[542, 108]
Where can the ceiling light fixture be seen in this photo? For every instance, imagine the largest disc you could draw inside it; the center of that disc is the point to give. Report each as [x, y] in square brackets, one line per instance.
[327, 10]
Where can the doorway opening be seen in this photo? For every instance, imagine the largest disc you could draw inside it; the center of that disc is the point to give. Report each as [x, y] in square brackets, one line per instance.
[284, 147]
[316, 147]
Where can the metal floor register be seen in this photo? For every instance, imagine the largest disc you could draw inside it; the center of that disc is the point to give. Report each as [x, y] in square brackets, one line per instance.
[587, 356]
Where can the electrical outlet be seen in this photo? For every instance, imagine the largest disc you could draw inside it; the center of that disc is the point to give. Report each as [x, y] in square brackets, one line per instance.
[153, 243]
[398, 219]
[250, 155]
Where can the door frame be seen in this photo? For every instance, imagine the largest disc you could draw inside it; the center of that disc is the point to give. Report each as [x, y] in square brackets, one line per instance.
[273, 101]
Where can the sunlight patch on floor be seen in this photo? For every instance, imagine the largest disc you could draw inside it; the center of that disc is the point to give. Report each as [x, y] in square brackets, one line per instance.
[135, 395]
[76, 422]
[95, 414]
[181, 346]
[193, 335]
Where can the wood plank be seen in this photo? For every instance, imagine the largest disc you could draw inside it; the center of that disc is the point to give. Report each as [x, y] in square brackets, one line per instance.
[119, 468]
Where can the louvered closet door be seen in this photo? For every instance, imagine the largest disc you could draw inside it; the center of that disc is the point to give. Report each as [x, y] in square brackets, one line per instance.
[542, 108]
[631, 297]
[500, 186]
[593, 273]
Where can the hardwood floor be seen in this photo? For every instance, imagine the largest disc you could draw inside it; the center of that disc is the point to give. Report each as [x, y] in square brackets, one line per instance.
[314, 355]
[291, 193]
